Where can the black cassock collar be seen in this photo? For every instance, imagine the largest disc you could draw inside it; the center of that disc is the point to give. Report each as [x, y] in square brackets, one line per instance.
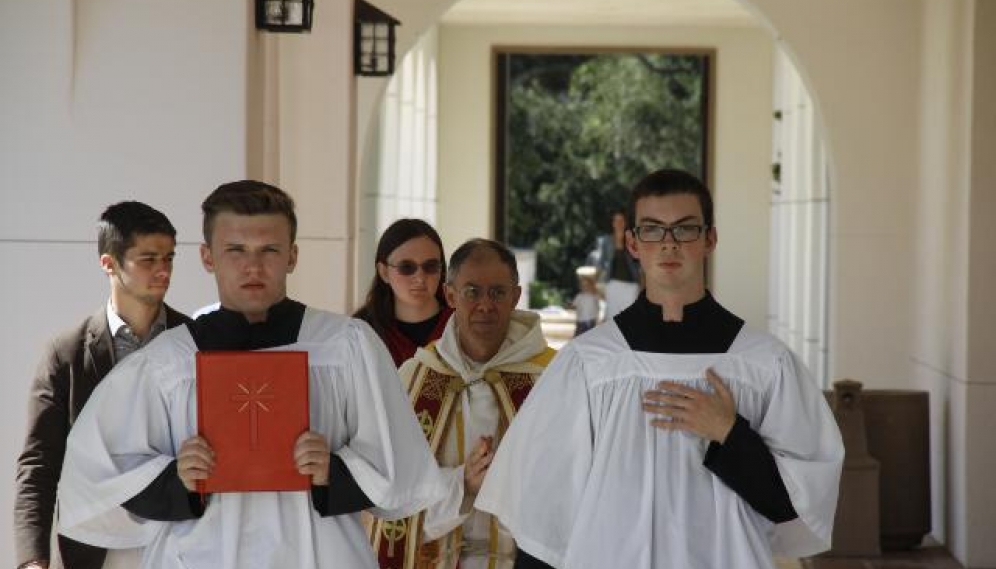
[226, 329]
[706, 327]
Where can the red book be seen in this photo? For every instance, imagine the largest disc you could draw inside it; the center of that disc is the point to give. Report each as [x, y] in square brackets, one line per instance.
[251, 408]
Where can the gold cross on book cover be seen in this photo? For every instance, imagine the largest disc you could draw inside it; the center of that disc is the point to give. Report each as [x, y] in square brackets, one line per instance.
[251, 408]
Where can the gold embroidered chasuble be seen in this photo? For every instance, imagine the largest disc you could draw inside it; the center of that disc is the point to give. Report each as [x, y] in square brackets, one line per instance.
[435, 390]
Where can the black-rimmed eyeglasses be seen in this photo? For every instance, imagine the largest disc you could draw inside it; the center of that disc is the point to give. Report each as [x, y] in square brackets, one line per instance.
[408, 268]
[652, 233]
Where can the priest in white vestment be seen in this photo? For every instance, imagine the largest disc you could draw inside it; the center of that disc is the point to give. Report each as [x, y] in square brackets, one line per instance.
[670, 436]
[134, 457]
[466, 389]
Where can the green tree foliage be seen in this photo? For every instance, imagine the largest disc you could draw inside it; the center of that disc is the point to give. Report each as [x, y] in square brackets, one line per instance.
[582, 129]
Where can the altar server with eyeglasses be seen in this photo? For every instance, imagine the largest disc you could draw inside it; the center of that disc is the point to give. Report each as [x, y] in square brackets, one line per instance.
[671, 436]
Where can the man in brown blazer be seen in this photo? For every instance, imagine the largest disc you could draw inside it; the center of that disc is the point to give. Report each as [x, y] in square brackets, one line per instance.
[136, 246]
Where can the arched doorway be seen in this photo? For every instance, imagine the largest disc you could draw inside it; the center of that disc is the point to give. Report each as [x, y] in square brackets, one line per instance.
[771, 192]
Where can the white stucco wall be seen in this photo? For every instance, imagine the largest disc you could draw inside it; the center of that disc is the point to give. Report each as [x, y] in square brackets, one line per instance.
[898, 86]
[864, 73]
[314, 141]
[978, 387]
[941, 266]
[99, 102]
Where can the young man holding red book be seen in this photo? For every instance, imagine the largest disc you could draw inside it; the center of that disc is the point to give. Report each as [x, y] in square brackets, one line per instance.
[135, 458]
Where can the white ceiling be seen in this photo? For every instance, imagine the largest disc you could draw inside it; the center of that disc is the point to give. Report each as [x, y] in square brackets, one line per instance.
[600, 12]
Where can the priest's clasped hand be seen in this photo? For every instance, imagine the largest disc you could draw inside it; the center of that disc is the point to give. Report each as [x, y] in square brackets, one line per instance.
[677, 407]
[312, 457]
[476, 465]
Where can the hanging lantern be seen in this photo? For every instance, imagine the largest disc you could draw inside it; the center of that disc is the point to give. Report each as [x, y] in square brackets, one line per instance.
[374, 41]
[292, 16]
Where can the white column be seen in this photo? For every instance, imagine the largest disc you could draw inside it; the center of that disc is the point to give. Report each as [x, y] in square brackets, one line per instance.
[399, 177]
[799, 255]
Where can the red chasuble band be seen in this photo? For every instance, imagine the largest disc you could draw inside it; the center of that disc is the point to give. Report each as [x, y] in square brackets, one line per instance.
[251, 408]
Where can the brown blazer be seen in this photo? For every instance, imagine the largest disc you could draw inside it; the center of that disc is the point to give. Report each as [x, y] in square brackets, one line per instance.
[74, 363]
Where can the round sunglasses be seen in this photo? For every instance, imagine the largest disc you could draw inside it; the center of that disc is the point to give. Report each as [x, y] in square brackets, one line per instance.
[408, 267]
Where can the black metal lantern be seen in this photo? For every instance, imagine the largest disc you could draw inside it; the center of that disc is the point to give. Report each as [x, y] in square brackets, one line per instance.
[284, 15]
[373, 41]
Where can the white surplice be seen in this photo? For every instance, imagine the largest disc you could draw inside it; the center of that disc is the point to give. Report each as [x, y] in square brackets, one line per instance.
[583, 481]
[140, 414]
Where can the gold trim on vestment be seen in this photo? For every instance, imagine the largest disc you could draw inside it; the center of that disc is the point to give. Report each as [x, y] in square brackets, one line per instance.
[433, 385]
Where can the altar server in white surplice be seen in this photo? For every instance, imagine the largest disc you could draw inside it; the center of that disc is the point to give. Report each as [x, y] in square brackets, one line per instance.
[134, 457]
[670, 436]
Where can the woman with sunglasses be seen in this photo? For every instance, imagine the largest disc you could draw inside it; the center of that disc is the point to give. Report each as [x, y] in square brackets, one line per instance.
[405, 304]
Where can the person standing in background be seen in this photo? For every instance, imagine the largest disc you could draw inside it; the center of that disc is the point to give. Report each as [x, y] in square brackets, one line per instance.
[135, 244]
[618, 271]
[586, 305]
[405, 304]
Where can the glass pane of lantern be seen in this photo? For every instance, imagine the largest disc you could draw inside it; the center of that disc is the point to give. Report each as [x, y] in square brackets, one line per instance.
[274, 12]
[295, 13]
[366, 46]
[381, 47]
[382, 30]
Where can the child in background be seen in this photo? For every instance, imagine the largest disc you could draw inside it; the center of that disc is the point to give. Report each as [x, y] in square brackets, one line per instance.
[586, 305]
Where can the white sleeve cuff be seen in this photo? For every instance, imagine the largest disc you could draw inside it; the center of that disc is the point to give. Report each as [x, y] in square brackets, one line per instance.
[449, 513]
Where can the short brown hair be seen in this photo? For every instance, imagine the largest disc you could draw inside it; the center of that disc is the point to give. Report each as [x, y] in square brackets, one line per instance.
[248, 197]
[122, 222]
